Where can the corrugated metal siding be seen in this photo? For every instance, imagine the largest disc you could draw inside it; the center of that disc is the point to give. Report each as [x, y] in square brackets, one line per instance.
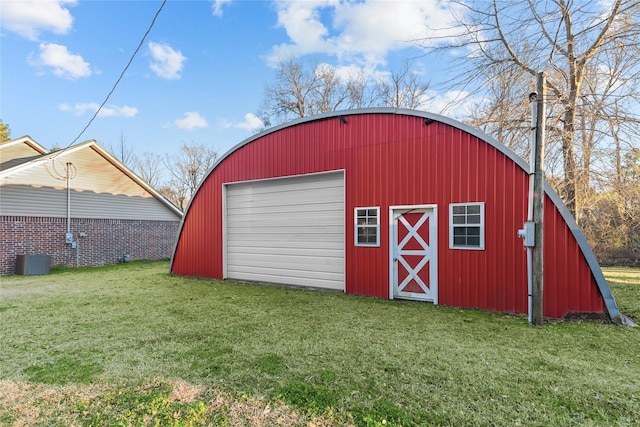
[569, 285]
[394, 159]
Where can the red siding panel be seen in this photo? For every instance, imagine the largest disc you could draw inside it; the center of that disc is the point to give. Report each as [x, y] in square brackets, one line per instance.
[395, 159]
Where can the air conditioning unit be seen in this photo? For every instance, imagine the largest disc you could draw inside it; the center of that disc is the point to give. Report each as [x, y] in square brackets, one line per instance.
[29, 265]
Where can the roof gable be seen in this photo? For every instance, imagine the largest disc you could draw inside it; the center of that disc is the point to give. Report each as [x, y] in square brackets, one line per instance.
[18, 151]
[90, 168]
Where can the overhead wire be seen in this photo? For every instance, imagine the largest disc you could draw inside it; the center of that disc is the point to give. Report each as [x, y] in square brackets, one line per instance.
[121, 75]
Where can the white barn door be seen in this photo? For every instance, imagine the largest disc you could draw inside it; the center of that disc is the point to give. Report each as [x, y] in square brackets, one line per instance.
[414, 253]
[287, 230]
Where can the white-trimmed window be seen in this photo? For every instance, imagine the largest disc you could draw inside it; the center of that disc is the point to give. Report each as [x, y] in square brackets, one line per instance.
[367, 226]
[466, 225]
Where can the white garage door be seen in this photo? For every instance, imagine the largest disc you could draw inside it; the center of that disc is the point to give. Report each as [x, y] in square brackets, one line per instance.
[287, 230]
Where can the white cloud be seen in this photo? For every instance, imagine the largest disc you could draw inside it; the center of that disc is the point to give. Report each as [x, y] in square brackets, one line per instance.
[115, 111]
[167, 62]
[302, 22]
[251, 123]
[348, 72]
[364, 32]
[217, 6]
[79, 109]
[191, 121]
[62, 62]
[29, 18]
[92, 107]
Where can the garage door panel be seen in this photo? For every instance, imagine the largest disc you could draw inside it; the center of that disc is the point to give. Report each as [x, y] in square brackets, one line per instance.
[289, 277]
[301, 234]
[287, 230]
[252, 245]
[300, 260]
[282, 197]
[306, 183]
[283, 251]
[251, 222]
[304, 267]
[313, 208]
[332, 209]
[287, 196]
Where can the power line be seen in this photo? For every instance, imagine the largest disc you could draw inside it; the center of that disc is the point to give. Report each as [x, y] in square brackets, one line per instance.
[121, 74]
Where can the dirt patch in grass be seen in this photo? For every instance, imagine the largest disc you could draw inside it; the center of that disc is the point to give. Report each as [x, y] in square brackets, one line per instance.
[161, 402]
[24, 404]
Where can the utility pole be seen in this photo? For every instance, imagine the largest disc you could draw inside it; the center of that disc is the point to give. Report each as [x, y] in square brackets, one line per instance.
[537, 317]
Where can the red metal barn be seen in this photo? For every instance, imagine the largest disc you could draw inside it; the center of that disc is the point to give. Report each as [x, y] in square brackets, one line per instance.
[387, 203]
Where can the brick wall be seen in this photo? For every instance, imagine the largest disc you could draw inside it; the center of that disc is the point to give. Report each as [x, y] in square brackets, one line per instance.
[104, 241]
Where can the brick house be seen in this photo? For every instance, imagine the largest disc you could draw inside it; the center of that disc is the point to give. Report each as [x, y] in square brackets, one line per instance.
[81, 206]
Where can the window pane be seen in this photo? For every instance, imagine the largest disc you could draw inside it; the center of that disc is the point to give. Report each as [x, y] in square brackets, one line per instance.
[460, 231]
[458, 219]
[459, 210]
[459, 241]
[372, 212]
[473, 209]
[473, 219]
[473, 241]
[362, 212]
[372, 221]
[473, 231]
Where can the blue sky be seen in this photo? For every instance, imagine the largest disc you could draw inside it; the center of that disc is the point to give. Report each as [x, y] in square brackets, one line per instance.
[200, 75]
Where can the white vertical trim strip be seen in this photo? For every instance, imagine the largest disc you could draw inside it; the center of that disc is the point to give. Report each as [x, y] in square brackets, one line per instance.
[224, 231]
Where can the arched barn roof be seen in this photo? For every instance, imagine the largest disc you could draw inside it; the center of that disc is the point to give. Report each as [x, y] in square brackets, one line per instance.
[428, 118]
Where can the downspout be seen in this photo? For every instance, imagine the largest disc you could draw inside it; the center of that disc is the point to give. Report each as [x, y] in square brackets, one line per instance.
[70, 173]
[68, 166]
[534, 118]
[532, 231]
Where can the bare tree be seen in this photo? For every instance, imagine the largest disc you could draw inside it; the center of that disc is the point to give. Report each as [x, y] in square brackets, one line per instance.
[403, 89]
[171, 194]
[149, 167]
[612, 218]
[503, 112]
[290, 95]
[188, 168]
[331, 93]
[302, 89]
[567, 38]
[362, 94]
[124, 153]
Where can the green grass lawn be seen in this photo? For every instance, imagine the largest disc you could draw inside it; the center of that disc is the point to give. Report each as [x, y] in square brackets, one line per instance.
[133, 345]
